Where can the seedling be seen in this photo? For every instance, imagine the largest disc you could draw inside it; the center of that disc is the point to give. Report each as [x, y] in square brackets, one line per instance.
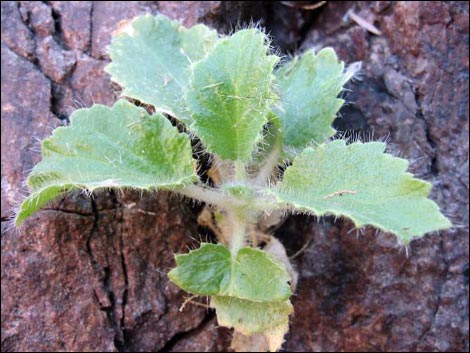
[267, 126]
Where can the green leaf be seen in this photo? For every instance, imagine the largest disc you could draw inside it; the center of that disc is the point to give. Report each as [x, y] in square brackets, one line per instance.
[309, 87]
[211, 270]
[250, 292]
[105, 147]
[38, 199]
[268, 152]
[151, 60]
[363, 183]
[249, 317]
[231, 94]
[257, 277]
[205, 271]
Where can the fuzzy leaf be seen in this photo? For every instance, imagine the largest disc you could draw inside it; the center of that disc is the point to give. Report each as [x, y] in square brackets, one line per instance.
[309, 86]
[38, 199]
[257, 277]
[105, 147]
[205, 271]
[231, 94]
[248, 317]
[363, 183]
[268, 152]
[151, 59]
[211, 270]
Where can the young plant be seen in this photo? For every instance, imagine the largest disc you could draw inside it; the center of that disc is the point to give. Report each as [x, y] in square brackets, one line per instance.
[267, 126]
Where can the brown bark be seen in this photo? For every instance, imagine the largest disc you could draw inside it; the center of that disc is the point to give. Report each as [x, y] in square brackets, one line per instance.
[89, 274]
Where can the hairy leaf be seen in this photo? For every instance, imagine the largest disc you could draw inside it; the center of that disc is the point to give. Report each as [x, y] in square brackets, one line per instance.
[105, 147]
[309, 86]
[205, 271]
[363, 183]
[151, 59]
[250, 317]
[211, 270]
[257, 277]
[268, 152]
[231, 94]
[38, 199]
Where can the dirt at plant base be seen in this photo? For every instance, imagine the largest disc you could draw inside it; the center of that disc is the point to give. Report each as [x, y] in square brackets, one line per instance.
[89, 274]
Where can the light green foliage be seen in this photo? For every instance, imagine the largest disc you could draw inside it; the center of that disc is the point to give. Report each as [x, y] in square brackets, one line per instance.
[114, 147]
[225, 91]
[363, 183]
[309, 86]
[231, 94]
[38, 199]
[211, 270]
[152, 58]
[249, 292]
[270, 145]
[251, 317]
[205, 271]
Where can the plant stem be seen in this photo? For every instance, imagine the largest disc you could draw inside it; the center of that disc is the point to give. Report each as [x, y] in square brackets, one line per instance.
[204, 194]
[267, 169]
[240, 171]
[226, 201]
[238, 227]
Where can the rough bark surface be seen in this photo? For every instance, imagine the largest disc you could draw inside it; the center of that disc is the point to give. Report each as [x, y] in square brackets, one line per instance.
[89, 274]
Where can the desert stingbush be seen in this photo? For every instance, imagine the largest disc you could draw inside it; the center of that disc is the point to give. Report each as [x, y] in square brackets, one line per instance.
[267, 125]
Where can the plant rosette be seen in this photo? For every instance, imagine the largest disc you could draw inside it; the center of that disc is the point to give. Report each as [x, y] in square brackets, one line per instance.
[253, 114]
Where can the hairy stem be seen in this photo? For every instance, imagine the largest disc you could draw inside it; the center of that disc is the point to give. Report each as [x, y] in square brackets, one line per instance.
[240, 171]
[268, 167]
[237, 223]
[225, 201]
[201, 193]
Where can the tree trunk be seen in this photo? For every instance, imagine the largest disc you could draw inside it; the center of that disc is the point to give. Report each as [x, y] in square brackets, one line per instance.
[90, 273]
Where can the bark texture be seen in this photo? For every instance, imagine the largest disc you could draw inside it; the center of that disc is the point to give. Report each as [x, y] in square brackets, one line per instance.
[88, 274]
